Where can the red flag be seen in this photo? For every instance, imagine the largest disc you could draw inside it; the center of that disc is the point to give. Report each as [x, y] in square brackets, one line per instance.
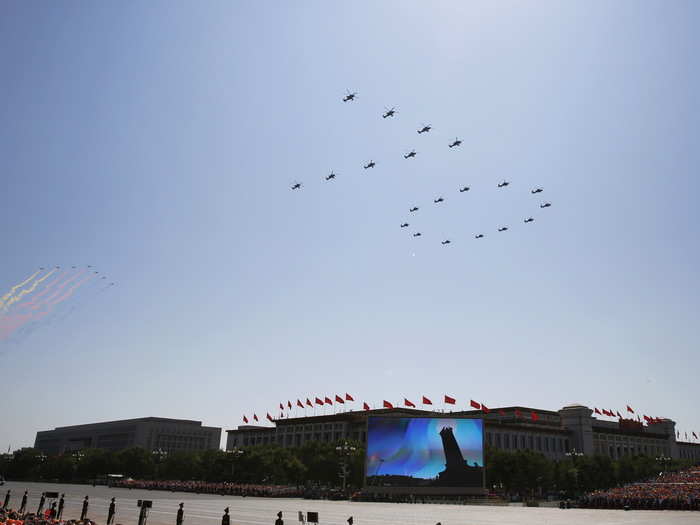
[647, 418]
[348, 397]
[618, 414]
[501, 412]
[269, 417]
[339, 399]
[408, 403]
[300, 404]
[289, 404]
[308, 402]
[534, 416]
[386, 404]
[281, 406]
[328, 400]
[695, 435]
[427, 401]
[485, 408]
[517, 413]
[365, 406]
[474, 404]
[597, 412]
[318, 401]
[281, 415]
[629, 409]
[245, 419]
[450, 400]
[611, 413]
[255, 417]
[607, 412]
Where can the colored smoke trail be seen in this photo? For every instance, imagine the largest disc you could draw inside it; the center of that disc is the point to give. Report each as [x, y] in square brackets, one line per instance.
[15, 287]
[27, 291]
[44, 291]
[57, 291]
[10, 324]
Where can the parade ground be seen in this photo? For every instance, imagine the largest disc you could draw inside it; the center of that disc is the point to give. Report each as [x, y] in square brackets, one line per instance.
[207, 510]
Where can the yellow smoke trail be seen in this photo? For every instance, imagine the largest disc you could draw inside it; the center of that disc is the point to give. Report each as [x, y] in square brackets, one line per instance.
[20, 285]
[26, 291]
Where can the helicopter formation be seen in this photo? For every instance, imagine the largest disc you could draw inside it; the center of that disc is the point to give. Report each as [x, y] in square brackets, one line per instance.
[351, 96]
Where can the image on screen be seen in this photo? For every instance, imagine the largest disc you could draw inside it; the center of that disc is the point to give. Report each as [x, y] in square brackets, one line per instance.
[425, 452]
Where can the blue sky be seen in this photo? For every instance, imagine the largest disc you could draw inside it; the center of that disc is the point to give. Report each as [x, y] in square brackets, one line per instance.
[158, 141]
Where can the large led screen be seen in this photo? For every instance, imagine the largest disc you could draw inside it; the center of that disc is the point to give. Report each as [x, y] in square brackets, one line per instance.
[425, 452]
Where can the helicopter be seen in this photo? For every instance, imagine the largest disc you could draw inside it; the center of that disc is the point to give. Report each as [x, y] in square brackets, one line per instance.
[529, 219]
[417, 234]
[462, 190]
[404, 225]
[415, 208]
[479, 236]
[503, 229]
[438, 200]
[503, 184]
[424, 129]
[370, 164]
[536, 190]
[349, 96]
[446, 241]
[456, 142]
[410, 154]
[296, 185]
[545, 205]
[330, 176]
[389, 113]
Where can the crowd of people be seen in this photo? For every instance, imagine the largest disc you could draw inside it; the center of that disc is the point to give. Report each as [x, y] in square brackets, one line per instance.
[672, 490]
[14, 517]
[223, 488]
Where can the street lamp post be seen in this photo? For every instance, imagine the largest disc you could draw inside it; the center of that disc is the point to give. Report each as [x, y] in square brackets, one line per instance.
[574, 455]
[345, 450]
[235, 453]
[664, 461]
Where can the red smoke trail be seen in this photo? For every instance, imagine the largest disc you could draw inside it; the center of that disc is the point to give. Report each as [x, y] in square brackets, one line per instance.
[43, 292]
[57, 291]
[18, 320]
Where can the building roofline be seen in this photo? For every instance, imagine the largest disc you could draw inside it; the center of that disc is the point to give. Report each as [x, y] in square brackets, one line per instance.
[149, 419]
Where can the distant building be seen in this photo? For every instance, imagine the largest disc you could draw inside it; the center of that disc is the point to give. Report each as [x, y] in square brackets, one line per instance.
[149, 433]
[554, 434]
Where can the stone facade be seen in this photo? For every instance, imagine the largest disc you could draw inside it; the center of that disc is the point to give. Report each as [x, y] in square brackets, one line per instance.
[554, 434]
[150, 433]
